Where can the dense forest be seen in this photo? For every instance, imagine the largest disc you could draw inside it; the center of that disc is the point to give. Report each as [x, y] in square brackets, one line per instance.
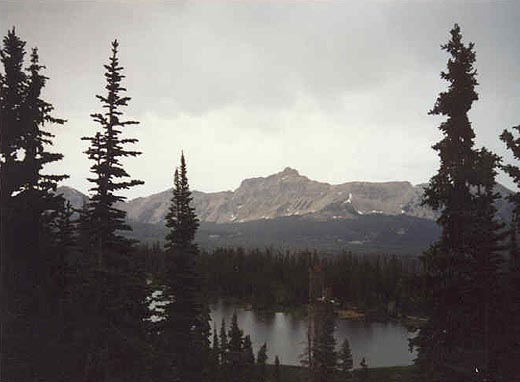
[76, 293]
[384, 286]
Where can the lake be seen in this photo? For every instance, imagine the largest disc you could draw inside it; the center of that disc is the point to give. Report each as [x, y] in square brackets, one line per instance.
[382, 344]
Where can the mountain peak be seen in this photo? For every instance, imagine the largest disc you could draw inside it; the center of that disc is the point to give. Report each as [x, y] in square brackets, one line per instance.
[289, 171]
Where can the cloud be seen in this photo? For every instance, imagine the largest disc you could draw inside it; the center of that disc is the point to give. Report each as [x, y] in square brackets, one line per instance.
[339, 90]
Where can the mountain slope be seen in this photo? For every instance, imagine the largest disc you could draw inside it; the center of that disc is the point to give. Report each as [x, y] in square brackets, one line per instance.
[288, 193]
[288, 210]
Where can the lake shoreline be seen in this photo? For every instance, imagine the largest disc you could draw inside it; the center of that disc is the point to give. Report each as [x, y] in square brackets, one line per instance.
[290, 373]
[412, 323]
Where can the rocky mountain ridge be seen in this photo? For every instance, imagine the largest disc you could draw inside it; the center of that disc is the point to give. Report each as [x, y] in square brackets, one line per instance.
[287, 194]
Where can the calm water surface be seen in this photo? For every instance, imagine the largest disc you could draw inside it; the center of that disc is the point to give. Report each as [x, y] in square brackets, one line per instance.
[382, 344]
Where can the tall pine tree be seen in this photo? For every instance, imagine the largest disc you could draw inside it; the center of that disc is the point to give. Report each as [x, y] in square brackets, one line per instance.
[324, 356]
[277, 374]
[185, 330]
[346, 361]
[261, 361]
[248, 360]
[113, 323]
[235, 349]
[31, 314]
[455, 342]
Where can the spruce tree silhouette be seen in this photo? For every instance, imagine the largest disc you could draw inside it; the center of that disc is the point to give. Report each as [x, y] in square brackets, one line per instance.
[324, 356]
[30, 295]
[261, 361]
[185, 330]
[346, 361]
[462, 269]
[113, 322]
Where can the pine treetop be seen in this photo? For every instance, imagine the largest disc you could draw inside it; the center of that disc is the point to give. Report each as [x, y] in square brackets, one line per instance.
[261, 358]
[235, 335]
[37, 114]
[345, 356]
[23, 118]
[450, 190]
[107, 148]
[181, 217]
[13, 84]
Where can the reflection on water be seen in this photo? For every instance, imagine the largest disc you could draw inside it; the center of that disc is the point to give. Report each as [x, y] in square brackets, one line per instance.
[382, 344]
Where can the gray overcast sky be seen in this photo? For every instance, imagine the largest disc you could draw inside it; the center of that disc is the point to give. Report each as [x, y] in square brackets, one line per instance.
[338, 90]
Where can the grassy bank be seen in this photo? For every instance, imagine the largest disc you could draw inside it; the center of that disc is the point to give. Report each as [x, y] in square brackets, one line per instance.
[377, 374]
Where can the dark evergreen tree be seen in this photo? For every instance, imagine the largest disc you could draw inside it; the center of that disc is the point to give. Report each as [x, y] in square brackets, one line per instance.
[15, 359]
[185, 330]
[324, 356]
[13, 85]
[346, 362]
[181, 217]
[106, 150]
[363, 372]
[215, 349]
[277, 375]
[64, 228]
[213, 367]
[261, 361]
[509, 364]
[223, 373]
[235, 349]
[248, 359]
[248, 355]
[451, 346]
[484, 295]
[115, 315]
[31, 304]
[223, 343]
[65, 250]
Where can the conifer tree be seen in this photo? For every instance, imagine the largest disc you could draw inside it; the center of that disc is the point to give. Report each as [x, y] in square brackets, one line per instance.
[115, 287]
[235, 335]
[64, 244]
[261, 360]
[214, 357]
[450, 346]
[13, 82]
[185, 329]
[223, 373]
[277, 372]
[324, 354]
[223, 343]
[484, 294]
[363, 373]
[235, 348]
[248, 359]
[346, 361]
[249, 356]
[215, 348]
[449, 191]
[30, 321]
[510, 366]
[107, 148]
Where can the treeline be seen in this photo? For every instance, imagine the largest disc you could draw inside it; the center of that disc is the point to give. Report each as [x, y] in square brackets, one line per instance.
[272, 279]
[382, 286]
